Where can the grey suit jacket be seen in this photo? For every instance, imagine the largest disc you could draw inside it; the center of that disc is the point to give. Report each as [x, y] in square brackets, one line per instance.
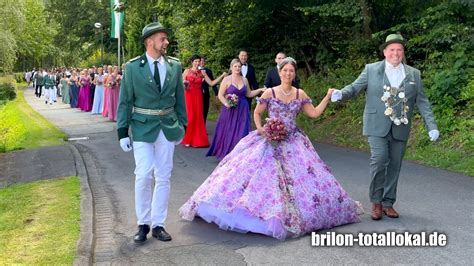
[376, 123]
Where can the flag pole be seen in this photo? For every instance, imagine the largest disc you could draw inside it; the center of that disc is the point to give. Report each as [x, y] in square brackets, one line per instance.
[118, 51]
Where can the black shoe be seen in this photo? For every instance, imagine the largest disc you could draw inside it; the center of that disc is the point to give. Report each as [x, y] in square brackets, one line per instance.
[140, 236]
[160, 233]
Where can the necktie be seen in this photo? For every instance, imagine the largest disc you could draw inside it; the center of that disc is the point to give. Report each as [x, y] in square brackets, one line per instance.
[156, 76]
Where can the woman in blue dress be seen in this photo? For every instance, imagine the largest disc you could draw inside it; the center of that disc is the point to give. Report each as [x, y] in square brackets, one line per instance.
[73, 89]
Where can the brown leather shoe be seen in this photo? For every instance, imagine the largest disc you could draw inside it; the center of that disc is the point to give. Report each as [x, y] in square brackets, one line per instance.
[376, 211]
[390, 212]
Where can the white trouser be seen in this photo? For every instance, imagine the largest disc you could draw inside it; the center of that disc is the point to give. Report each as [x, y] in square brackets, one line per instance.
[48, 94]
[153, 159]
[54, 94]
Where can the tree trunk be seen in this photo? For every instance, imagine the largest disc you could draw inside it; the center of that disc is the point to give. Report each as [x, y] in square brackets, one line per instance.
[366, 15]
[308, 66]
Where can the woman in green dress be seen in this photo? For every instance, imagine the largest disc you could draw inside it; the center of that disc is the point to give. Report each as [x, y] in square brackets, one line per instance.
[65, 89]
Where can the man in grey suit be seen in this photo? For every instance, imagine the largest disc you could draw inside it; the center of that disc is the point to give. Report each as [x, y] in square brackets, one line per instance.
[392, 89]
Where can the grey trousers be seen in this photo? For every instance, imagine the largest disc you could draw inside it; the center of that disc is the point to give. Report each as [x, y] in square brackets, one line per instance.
[385, 163]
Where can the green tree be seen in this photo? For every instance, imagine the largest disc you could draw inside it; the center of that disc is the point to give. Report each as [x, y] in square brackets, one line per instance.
[12, 22]
[35, 41]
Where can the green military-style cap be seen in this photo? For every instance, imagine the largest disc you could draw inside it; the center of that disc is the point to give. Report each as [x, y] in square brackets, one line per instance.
[152, 28]
[393, 38]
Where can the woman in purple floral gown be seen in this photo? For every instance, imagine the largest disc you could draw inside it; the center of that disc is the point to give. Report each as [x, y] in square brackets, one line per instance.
[283, 190]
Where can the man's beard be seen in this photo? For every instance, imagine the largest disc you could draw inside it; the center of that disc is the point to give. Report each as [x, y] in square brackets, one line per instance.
[161, 50]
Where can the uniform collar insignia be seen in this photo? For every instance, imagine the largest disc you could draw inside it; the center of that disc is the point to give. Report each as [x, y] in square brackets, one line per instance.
[143, 60]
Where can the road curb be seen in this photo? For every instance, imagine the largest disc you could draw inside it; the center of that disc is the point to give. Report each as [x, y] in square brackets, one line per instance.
[84, 247]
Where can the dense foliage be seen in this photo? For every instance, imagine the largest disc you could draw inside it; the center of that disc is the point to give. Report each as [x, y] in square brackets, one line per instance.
[7, 92]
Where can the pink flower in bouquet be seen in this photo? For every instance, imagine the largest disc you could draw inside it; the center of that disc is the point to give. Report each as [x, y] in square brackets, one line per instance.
[275, 130]
[232, 100]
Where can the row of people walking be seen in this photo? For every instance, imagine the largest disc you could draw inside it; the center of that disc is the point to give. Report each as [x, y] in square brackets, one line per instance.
[104, 99]
[91, 90]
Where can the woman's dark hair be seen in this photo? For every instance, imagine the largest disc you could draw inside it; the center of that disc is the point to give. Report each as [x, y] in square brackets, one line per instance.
[287, 60]
[194, 57]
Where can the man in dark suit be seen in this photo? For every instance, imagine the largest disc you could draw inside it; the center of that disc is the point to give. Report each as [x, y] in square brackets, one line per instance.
[248, 71]
[205, 89]
[273, 78]
[92, 72]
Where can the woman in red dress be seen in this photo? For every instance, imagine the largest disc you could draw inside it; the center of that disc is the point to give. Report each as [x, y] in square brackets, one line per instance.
[193, 77]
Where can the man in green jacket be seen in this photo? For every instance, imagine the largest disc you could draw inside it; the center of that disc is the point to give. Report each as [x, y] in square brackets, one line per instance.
[49, 81]
[152, 106]
[38, 78]
[392, 89]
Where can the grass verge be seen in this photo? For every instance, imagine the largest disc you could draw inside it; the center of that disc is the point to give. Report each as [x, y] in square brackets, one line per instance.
[39, 222]
[21, 127]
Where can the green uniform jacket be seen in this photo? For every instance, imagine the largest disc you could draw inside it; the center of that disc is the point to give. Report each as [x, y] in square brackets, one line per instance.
[138, 88]
[49, 81]
[39, 79]
[376, 123]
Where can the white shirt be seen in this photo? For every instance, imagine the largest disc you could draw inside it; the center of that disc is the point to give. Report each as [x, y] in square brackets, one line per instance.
[244, 70]
[161, 67]
[395, 75]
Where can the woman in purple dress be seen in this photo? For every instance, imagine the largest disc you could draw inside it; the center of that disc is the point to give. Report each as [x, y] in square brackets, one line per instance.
[278, 189]
[84, 100]
[234, 120]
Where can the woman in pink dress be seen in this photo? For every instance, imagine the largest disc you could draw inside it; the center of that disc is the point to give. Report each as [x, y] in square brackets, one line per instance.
[84, 100]
[276, 188]
[105, 111]
[114, 93]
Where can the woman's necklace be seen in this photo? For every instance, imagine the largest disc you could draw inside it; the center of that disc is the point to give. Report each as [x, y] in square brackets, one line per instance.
[286, 93]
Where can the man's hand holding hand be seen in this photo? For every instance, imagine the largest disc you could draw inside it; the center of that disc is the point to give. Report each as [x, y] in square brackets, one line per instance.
[336, 95]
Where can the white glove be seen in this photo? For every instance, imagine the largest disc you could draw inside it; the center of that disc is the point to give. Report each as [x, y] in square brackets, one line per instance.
[434, 134]
[125, 144]
[336, 96]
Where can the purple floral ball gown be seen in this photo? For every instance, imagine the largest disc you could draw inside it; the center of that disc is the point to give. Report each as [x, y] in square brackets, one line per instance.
[282, 190]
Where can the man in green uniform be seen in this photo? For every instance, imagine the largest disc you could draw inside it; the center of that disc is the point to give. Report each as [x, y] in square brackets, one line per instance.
[49, 81]
[152, 106]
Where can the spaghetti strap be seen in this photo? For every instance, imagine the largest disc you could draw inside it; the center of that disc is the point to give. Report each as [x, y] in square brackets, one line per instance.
[273, 93]
[297, 93]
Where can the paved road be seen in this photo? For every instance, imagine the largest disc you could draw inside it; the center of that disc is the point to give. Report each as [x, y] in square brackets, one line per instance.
[429, 200]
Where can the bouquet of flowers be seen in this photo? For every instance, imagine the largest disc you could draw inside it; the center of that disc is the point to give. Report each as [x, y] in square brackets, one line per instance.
[232, 100]
[111, 82]
[275, 130]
